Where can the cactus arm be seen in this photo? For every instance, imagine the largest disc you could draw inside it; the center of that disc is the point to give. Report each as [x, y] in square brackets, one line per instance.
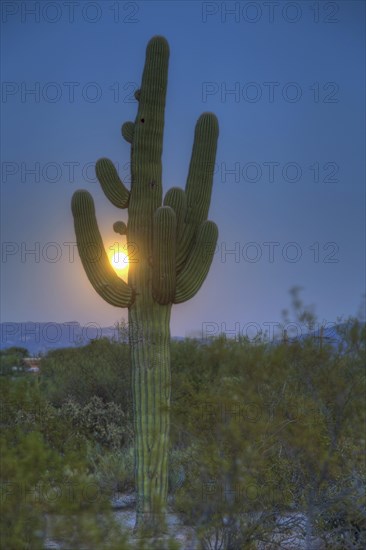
[127, 130]
[190, 280]
[176, 199]
[164, 246]
[199, 181]
[111, 184]
[93, 256]
[201, 169]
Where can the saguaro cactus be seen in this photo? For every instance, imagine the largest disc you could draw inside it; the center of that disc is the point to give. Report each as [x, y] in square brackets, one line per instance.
[174, 245]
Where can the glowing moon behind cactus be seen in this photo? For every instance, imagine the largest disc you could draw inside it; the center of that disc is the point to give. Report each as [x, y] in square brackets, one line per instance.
[119, 260]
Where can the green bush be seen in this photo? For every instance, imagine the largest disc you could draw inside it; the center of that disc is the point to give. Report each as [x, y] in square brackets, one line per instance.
[103, 423]
[47, 489]
[11, 361]
[285, 422]
[257, 430]
[100, 369]
[113, 470]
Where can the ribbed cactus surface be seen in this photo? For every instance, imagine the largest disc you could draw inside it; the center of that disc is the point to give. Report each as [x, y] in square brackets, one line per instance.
[174, 245]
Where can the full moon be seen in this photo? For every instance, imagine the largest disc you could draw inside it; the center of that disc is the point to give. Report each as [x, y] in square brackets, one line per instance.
[119, 260]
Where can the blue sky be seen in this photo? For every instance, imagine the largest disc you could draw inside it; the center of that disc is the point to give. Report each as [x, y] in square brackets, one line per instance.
[287, 83]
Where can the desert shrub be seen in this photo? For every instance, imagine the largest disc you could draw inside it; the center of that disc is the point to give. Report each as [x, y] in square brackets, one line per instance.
[47, 488]
[185, 356]
[102, 369]
[23, 466]
[28, 462]
[103, 423]
[284, 421]
[257, 431]
[341, 518]
[10, 358]
[25, 410]
[113, 470]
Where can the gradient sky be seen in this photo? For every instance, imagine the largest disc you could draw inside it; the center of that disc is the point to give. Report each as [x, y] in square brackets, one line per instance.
[292, 133]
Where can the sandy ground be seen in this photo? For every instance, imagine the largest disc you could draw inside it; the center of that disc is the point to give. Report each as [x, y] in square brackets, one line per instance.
[124, 512]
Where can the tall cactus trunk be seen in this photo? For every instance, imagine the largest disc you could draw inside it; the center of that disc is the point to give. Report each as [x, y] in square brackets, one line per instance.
[150, 354]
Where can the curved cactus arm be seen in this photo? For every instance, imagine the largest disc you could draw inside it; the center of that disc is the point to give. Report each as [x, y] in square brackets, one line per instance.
[127, 130]
[111, 184]
[201, 169]
[164, 247]
[199, 181]
[93, 256]
[190, 280]
[176, 199]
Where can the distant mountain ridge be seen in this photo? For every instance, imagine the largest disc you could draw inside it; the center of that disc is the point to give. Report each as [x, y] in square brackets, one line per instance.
[41, 337]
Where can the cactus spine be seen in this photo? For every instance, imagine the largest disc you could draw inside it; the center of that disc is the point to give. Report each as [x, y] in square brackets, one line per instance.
[175, 245]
